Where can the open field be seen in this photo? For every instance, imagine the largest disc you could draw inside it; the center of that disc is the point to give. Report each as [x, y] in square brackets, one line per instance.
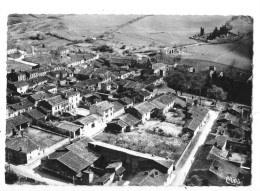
[92, 25]
[240, 51]
[161, 141]
[17, 66]
[151, 31]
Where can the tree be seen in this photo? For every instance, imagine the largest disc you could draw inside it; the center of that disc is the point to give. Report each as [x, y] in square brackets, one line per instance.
[217, 93]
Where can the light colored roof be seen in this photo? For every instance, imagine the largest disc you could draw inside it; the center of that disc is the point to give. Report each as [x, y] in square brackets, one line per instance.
[66, 125]
[57, 100]
[24, 143]
[88, 119]
[144, 107]
[104, 105]
[129, 119]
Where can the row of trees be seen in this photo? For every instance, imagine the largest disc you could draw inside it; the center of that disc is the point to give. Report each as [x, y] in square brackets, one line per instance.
[218, 32]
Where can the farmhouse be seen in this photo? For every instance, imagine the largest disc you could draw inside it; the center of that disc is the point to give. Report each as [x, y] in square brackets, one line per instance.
[21, 150]
[104, 109]
[199, 116]
[118, 109]
[73, 162]
[67, 128]
[92, 124]
[56, 104]
[142, 111]
[21, 107]
[20, 87]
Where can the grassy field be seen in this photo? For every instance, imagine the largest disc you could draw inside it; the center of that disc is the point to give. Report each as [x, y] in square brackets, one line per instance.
[16, 66]
[240, 51]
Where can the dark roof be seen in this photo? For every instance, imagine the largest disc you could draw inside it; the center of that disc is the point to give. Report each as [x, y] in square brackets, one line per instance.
[103, 178]
[117, 106]
[119, 122]
[80, 148]
[145, 93]
[21, 84]
[23, 143]
[36, 114]
[40, 96]
[18, 120]
[129, 119]
[9, 127]
[24, 104]
[73, 161]
[223, 168]
[126, 100]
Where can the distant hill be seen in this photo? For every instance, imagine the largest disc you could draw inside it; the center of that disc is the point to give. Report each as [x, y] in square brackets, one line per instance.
[241, 24]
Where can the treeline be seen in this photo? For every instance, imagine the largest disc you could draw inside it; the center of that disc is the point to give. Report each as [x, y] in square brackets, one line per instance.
[201, 83]
[223, 30]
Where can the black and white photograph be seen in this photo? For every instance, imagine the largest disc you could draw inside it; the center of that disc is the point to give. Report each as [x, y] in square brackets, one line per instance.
[128, 99]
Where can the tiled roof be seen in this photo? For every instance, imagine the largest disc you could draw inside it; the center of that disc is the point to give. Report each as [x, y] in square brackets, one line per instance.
[117, 106]
[40, 96]
[104, 105]
[23, 143]
[223, 168]
[57, 100]
[9, 127]
[24, 104]
[145, 93]
[21, 84]
[126, 100]
[119, 122]
[18, 120]
[80, 148]
[36, 114]
[73, 161]
[144, 107]
[217, 153]
[66, 125]
[88, 119]
[221, 140]
[129, 119]
[103, 178]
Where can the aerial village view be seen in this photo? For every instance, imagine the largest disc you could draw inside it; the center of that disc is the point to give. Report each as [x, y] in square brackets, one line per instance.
[128, 100]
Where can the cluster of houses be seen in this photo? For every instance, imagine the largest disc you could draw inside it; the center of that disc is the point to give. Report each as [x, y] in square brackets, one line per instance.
[72, 104]
[226, 153]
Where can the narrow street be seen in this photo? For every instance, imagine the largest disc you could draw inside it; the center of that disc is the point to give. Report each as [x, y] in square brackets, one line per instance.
[183, 171]
[30, 172]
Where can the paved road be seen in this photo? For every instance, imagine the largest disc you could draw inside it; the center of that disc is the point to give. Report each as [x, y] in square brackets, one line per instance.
[182, 172]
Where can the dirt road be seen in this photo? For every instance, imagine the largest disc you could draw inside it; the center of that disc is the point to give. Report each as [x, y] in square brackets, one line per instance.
[182, 172]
